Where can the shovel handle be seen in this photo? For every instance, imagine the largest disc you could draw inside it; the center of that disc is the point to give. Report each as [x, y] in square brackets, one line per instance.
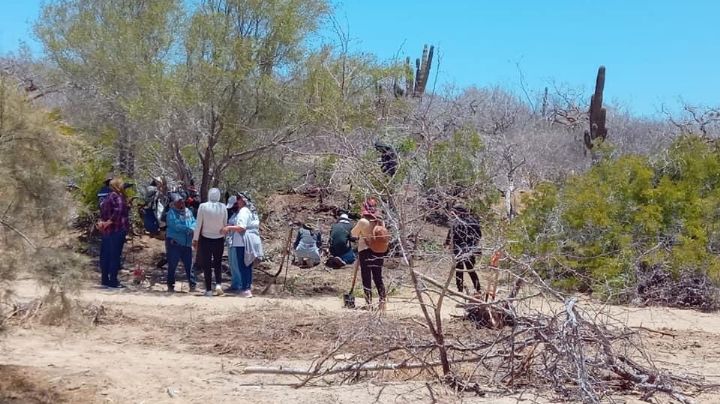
[355, 271]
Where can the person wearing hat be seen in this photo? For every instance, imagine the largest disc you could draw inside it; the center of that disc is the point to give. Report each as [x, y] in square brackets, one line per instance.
[307, 245]
[178, 240]
[341, 252]
[371, 262]
[114, 225]
[246, 244]
[105, 189]
[464, 236]
[209, 239]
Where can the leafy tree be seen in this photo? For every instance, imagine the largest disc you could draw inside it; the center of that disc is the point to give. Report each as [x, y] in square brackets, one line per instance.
[627, 213]
[35, 152]
[117, 55]
[199, 86]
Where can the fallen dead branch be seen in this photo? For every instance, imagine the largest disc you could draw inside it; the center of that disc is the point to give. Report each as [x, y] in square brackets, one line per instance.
[576, 352]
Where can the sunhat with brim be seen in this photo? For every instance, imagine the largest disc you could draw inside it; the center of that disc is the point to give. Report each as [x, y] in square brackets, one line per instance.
[232, 200]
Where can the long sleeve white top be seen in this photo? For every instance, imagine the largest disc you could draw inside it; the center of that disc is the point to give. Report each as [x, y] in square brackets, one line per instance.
[211, 218]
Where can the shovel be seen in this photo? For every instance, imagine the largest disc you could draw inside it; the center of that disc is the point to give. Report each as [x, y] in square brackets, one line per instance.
[349, 298]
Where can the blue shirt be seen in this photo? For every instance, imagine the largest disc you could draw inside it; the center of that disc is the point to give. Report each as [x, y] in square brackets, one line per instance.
[180, 228]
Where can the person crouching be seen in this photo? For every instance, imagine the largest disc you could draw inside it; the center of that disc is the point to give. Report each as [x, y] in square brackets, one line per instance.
[307, 246]
[340, 247]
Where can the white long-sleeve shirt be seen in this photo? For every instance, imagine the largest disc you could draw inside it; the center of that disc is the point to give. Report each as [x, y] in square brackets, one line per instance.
[211, 218]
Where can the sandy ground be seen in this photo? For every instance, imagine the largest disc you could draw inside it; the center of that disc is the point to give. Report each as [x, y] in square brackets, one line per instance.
[144, 353]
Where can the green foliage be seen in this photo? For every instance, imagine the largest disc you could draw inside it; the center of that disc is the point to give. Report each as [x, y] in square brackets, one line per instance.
[35, 151]
[455, 162]
[260, 177]
[325, 169]
[600, 225]
[90, 177]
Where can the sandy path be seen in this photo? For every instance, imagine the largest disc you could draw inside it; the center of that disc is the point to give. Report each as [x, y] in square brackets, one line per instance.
[108, 359]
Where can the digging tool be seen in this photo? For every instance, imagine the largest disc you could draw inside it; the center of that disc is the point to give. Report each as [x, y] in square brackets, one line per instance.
[492, 285]
[349, 298]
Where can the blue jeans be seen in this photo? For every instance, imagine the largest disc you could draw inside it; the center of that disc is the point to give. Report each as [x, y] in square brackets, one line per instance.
[235, 281]
[245, 271]
[348, 257]
[175, 254]
[111, 247]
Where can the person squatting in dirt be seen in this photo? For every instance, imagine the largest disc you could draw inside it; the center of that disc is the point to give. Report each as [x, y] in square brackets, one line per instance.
[341, 252]
[464, 237]
[209, 240]
[178, 241]
[243, 229]
[373, 242]
[307, 246]
[113, 225]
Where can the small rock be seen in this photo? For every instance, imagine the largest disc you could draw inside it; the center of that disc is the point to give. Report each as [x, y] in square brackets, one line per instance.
[171, 392]
[344, 357]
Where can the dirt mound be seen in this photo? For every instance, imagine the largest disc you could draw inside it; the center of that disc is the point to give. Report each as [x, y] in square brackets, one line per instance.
[26, 385]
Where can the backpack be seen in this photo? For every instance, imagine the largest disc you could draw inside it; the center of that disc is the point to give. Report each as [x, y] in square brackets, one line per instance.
[379, 241]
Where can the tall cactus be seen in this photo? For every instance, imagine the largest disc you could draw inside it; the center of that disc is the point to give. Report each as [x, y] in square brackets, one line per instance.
[597, 113]
[409, 78]
[415, 83]
[422, 72]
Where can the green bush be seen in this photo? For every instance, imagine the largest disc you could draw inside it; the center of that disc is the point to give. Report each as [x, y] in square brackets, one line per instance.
[598, 227]
[90, 177]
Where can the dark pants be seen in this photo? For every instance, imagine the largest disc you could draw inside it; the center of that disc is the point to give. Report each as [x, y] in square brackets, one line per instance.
[371, 269]
[209, 258]
[111, 246]
[150, 221]
[246, 271]
[464, 266]
[175, 254]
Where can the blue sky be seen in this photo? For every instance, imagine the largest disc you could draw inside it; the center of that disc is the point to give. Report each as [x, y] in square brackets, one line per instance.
[655, 51]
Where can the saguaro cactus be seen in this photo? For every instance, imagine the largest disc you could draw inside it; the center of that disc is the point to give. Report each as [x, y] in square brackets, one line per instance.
[597, 112]
[415, 83]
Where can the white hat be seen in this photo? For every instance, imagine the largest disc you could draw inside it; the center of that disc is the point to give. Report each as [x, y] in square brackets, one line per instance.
[344, 216]
[232, 200]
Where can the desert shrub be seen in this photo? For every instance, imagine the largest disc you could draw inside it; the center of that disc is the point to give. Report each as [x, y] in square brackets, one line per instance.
[35, 153]
[597, 228]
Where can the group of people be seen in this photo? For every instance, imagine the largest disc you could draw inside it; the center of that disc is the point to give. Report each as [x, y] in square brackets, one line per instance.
[371, 237]
[235, 225]
[212, 226]
[207, 229]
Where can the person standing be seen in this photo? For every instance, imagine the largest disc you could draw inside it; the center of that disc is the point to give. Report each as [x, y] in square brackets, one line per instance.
[114, 225]
[371, 259]
[209, 240]
[340, 248]
[464, 235]
[246, 244]
[233, 243]
[178, 241]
